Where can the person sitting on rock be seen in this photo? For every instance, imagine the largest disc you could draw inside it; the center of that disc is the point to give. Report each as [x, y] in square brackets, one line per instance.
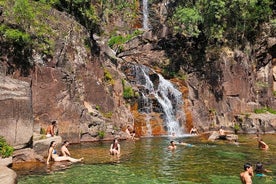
[52, 154]
[194, 131]
[50, 131]
[222, 134]
[130, 132]
[64, 150]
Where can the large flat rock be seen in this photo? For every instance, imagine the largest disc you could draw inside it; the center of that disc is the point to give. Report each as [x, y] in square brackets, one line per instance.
[16, 123]
[7, 176]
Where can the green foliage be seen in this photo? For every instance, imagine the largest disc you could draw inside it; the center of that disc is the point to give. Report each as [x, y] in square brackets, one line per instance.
[261, 84]
[265, 110]
[187, 21]
[15, 35]
[24, 13]
[108, 77]
[221, 20]
[236, 127]
[101, 134]
[98, 107]
[107, 114]
[5, 149]
[260, 111]
[273, 23]
[128, 91]
[118, 40]
[42, 131]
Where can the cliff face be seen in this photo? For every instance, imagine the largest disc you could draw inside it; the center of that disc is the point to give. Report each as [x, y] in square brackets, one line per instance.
[82, 91]
[81, 87]
[16, 111]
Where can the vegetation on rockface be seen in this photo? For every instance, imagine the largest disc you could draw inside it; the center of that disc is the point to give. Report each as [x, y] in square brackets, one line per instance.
[23, 30]
[222, 21]
[5, 149]
[116, 42]
[108, 77]
[101, 134]
[265, 110]
[96, 14]
[128, 91]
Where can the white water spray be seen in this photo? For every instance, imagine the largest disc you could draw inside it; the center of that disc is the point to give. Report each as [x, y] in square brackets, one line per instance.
[145, 15]
[167, 96]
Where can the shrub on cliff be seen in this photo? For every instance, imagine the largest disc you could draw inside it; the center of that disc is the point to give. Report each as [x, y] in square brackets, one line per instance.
[5, 149]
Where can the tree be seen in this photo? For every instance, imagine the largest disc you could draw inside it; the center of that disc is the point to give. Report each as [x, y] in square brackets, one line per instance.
[187, 21]
[23, 13]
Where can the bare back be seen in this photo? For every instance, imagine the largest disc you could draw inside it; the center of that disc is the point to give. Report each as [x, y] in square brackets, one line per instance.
[245, 178]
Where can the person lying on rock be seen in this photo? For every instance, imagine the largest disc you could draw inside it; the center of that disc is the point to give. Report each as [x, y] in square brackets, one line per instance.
[52, 154]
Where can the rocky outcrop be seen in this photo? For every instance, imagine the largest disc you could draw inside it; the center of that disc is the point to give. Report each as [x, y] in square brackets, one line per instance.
[16, 123]
[7, 175]
[253, 123]
[27, 155]
[41, 147]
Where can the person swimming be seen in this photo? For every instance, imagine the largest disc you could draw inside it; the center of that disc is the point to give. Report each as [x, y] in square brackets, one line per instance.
[185, 144]
[172, 146]
[260, 170]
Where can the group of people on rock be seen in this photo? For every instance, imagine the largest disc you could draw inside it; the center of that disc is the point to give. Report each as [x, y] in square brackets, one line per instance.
[65, 155]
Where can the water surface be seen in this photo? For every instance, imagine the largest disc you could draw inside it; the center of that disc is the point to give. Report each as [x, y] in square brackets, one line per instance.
[149, 161]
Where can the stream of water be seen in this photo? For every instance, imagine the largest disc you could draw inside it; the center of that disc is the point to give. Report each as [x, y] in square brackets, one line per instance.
[149, 161]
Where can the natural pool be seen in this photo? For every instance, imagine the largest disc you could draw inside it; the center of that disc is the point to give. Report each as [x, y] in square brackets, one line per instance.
[149, 161]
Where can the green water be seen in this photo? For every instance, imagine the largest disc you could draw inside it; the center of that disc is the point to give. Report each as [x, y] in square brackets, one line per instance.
[149, 161]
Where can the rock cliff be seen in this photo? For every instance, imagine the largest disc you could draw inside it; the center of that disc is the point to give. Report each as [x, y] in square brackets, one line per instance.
[81, 84]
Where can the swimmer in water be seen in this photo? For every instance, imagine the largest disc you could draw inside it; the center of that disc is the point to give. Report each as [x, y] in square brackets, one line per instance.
[172, 146]
[185, 144]
[247, 174]
[260, 170]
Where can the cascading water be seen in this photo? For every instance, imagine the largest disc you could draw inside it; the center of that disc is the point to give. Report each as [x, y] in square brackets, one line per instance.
[169, 100]
[145, 15]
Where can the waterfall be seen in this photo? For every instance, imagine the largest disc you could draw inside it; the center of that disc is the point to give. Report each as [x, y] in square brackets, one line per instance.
[145, 15]
[169, 100]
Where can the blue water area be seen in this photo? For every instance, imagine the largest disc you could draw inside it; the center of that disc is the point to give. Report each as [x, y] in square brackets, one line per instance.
[149, 161]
